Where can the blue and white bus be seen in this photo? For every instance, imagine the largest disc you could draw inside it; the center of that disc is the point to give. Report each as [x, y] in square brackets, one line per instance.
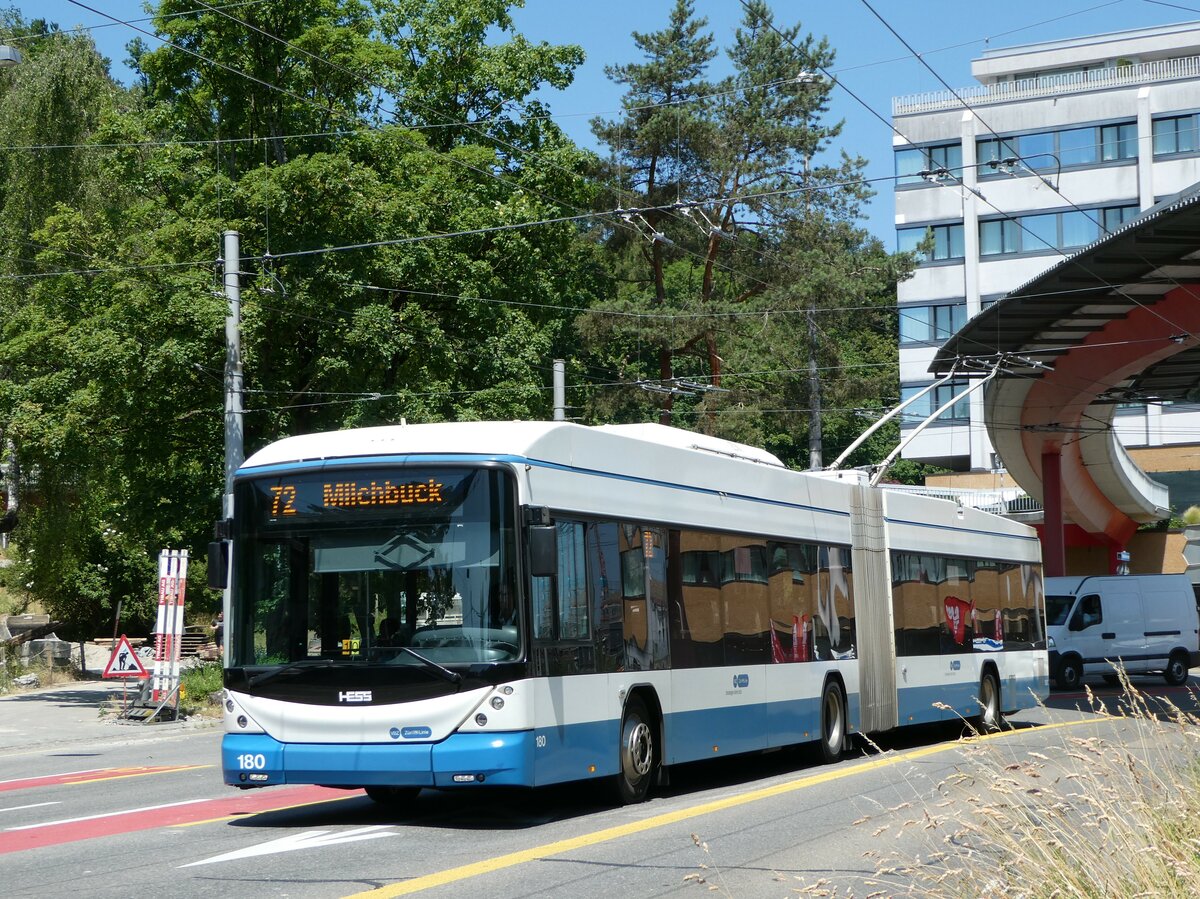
[457, 606]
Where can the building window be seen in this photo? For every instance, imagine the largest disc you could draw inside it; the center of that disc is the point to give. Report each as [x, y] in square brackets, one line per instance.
[1001, 236]
[1079, 228]
[1050, 150]
[947, 241]
[1050, 230]
[1114, 217]
[923, 408]
[931, 324]
[1175, 134]
[991, 150]
[910, 162]
[1118, 141]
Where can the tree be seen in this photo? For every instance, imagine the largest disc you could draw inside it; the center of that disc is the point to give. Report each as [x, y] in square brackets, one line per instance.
[113, 349]
[744, 228]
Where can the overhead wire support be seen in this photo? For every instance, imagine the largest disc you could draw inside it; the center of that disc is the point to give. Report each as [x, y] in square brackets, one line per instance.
[883, 466]
[883, 420]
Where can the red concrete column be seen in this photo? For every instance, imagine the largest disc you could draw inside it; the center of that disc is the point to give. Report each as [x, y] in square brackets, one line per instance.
[1054, 544]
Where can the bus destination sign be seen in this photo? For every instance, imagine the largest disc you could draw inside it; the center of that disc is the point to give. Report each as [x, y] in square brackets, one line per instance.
[292, 499]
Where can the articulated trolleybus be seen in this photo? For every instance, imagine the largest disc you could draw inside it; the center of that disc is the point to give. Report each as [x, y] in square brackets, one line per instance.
[457, 606]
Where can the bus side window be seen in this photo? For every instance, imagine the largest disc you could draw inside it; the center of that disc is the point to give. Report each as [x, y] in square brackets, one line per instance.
[572, 583]
[560, 603]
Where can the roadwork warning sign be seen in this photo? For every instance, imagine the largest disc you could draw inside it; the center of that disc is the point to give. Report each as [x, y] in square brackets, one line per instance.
[124, 662]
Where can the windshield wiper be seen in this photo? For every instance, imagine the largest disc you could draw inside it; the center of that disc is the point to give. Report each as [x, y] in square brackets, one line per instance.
[263, 676]
[453, 676]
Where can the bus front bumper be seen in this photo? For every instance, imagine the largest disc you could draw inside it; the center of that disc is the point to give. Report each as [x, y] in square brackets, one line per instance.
[461, 760]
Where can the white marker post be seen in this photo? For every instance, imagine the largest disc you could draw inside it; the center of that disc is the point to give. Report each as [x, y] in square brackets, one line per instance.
[168, 631]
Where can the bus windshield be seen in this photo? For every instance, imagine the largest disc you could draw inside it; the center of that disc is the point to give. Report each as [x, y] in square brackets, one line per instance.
[380, 565]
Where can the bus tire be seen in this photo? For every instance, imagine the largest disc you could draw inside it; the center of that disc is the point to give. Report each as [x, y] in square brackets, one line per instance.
[637, 754]
[392, 797]
[833, 722]
[1176, 672]
[1070, 673]
[990, 717]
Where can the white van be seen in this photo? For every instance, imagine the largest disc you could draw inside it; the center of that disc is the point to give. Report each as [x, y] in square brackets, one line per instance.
[1147, 622]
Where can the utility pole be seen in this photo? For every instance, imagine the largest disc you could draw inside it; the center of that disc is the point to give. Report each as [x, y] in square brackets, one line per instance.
[560, 390]
[809, 82]
[234, 433]
[814, 393]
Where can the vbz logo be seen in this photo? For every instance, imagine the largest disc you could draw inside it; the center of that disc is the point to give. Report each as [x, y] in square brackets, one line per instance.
[741, 681]
[955, 665]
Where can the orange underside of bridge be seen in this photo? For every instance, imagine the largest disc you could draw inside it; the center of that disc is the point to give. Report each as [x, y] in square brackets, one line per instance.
[1054, 416]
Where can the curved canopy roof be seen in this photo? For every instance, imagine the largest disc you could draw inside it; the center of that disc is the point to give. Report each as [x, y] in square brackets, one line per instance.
[1119, 321]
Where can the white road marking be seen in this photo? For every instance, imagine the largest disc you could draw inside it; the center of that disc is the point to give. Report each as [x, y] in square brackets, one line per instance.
[310, 839]
[13, 780]
[17, 808]
[128, 811]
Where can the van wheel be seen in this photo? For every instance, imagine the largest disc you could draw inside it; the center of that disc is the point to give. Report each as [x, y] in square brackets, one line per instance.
[636, 754]
[990, 717]
[833, 722]
[1070, 674]
[1176, 673]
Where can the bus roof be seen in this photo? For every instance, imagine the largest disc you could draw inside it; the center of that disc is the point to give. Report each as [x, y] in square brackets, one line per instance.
[519, 438]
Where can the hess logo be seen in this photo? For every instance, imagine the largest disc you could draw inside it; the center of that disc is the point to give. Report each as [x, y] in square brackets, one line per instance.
[354, 696]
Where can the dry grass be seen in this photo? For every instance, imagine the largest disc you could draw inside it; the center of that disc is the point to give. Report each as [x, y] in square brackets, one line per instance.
[1103, 817]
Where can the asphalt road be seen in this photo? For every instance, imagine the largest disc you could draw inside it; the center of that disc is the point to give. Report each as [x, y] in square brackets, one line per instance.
[100, 809]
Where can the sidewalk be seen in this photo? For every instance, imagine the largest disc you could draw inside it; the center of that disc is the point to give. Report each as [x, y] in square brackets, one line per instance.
[71, 713]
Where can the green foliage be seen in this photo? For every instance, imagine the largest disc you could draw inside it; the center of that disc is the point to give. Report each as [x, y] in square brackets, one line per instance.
[765, 289]
[197, 684]
[1191, 515]
[413, 134]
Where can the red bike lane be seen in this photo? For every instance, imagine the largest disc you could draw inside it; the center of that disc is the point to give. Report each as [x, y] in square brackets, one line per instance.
[175, 814]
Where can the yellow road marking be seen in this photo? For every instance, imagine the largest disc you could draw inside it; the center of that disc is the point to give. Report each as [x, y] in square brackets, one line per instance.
[133, 772]
[487, 866]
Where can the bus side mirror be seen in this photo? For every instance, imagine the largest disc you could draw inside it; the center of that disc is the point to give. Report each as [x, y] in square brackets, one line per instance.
[543, 552]
[218, 564]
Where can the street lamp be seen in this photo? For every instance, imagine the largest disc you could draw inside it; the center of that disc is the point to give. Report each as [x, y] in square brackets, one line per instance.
[9, 56]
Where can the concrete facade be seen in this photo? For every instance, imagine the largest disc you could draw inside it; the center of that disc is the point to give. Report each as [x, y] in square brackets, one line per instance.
[1063, 141]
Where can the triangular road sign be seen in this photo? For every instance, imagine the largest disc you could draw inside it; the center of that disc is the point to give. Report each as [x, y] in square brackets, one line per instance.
[124, 661]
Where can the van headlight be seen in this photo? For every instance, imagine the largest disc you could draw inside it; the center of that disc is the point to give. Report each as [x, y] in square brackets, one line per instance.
[1049, 642]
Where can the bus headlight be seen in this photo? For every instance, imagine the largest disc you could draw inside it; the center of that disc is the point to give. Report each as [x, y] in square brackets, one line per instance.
[497, 702]
[481, 719]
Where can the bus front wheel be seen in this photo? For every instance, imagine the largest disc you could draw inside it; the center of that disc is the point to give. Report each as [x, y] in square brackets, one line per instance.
[833, 722]
[637, 754]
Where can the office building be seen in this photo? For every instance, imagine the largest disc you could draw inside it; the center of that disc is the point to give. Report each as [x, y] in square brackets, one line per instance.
[1058, 143]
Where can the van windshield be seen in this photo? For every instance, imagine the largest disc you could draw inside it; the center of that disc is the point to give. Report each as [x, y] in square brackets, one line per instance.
[1058, 608]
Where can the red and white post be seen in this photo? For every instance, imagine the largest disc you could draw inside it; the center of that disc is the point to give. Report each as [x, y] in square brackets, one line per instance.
[168, 631]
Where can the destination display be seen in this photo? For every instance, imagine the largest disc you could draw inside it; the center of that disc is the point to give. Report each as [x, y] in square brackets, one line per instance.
[297, 497]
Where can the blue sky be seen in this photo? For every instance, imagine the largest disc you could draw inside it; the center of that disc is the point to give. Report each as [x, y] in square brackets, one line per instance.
[871, 62]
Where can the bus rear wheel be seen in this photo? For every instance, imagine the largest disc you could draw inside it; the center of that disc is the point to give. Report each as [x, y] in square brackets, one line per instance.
[636, 754]
[833, 722]
[990, 717]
